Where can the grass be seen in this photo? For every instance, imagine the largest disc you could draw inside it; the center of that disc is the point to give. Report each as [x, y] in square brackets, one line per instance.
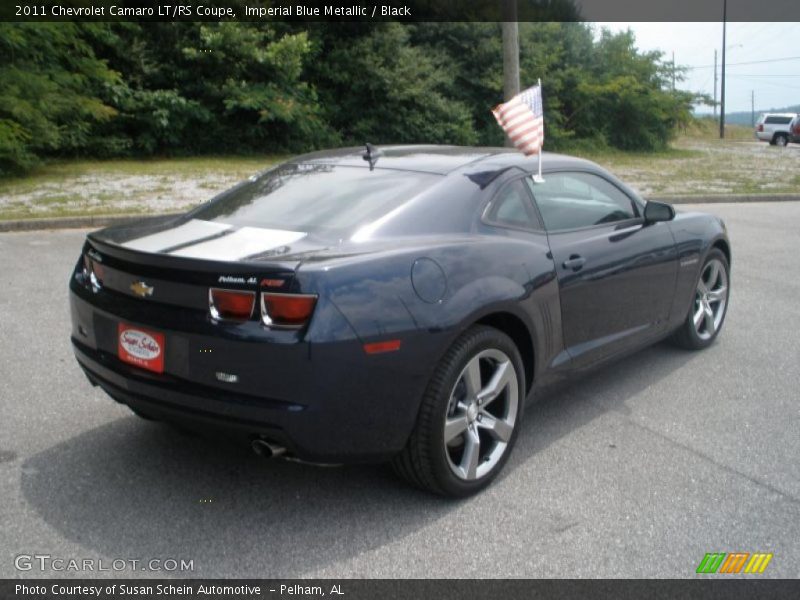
[697, 163]
[59, 212]
[612, 156]
[102, 187]
[165, 168]
[708, 128]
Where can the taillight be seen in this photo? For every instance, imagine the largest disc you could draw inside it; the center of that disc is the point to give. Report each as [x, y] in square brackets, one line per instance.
[760, 127]
[93, 271]
[286, 310]
[231, 305]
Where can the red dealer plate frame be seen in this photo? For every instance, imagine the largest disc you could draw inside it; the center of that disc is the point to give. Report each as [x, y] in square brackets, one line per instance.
[140, 347]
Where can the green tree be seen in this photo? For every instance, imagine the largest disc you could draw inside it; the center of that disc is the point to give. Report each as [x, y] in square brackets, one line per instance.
[51, 85]
[624, 96]
[376, 86]
[111, 89]
[213, 87]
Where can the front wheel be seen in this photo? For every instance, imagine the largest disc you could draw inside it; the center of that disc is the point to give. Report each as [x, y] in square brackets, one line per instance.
[469, 416]
[710, 304]
[781, 140]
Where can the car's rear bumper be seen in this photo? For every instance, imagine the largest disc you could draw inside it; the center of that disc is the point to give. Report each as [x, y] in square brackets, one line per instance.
[327, 402]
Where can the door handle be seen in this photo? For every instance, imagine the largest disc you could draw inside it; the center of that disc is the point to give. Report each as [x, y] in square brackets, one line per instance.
[575, 262]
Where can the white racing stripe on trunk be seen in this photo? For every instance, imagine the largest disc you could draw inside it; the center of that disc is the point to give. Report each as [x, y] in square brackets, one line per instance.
[183, 234]
[240, 244]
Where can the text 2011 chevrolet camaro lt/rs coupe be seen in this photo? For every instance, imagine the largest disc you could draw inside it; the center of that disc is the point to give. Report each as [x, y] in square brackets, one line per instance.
[398, 304]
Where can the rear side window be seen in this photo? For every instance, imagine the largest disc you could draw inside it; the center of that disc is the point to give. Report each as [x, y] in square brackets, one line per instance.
[511, 207]
[574, 200]
[778, 120]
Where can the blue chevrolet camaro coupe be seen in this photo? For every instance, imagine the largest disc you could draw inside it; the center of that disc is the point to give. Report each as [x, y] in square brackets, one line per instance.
[398, 304]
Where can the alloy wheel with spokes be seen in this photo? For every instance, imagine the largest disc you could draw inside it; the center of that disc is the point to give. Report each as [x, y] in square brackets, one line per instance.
[481, 415]
[469, 415]
[711, 298]
[709, 304]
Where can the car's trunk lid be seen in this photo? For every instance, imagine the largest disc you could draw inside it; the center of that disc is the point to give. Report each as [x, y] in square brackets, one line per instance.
[175, 261]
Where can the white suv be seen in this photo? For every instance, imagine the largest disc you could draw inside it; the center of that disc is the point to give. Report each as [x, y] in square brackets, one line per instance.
[775, 128]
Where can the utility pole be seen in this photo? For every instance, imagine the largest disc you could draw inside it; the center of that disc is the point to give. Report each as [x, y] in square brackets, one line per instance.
[715, 83]
[722, 87]
[510, 53]
[752, 108]
[673, 70]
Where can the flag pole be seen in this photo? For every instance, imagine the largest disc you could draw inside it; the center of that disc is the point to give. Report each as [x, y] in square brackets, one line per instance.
[538, 178]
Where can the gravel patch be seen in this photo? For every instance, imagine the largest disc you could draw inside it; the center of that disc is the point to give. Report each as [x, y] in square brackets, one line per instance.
[700, 167]
[122, 187]
[713, 167]
[119, 194]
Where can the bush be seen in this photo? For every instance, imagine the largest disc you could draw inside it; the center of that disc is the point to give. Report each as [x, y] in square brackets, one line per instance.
[117, 89]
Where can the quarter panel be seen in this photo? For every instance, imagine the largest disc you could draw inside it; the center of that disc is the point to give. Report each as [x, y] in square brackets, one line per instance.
[694, 233]
[484, 274]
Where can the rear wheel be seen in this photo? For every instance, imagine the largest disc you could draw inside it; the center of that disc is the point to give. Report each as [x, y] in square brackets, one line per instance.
[710, 304]
[469, 416]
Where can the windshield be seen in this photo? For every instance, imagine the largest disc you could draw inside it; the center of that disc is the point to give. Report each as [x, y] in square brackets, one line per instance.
[314, 198]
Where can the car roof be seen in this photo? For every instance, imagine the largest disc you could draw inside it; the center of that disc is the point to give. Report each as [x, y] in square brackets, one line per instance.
[780, 115]
[441, 160]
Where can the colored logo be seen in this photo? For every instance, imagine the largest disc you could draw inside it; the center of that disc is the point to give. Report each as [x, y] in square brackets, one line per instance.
[141, 289]
[144, 349]
[735, 562]
[139, 344]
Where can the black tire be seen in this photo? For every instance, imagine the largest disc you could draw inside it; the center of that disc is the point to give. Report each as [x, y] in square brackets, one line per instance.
[424, 461]
[781, 140]
[687, 336]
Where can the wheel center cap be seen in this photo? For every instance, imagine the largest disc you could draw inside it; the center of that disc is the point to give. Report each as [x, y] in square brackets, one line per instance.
[472, 412]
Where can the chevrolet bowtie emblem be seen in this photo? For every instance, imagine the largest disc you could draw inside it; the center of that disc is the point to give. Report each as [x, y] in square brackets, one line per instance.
[141, 289]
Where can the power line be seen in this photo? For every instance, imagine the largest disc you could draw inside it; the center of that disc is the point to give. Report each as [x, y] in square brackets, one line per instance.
[752, 62]
[754, 34]
[777, 40]
[751, 81]
[795, 75]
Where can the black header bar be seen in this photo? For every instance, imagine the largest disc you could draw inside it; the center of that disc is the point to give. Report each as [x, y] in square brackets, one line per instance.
[408, 11]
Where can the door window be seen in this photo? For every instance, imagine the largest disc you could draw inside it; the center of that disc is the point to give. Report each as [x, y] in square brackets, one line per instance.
[573, 200]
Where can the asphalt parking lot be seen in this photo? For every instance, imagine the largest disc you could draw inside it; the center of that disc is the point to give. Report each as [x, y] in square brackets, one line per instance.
[636, 471]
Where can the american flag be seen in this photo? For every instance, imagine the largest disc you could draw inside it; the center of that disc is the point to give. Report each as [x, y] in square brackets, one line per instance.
[522, 119]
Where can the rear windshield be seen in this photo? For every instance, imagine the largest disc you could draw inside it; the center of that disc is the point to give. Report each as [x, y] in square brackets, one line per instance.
[316, 198]
[778, 120]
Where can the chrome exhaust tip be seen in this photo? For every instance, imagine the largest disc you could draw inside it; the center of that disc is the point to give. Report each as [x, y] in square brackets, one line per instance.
[267, 449]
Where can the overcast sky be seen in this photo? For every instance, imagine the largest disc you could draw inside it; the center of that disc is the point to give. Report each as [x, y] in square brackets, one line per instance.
[776, 83]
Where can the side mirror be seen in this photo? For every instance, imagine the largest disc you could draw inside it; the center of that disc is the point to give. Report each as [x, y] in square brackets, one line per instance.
[655, 212]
